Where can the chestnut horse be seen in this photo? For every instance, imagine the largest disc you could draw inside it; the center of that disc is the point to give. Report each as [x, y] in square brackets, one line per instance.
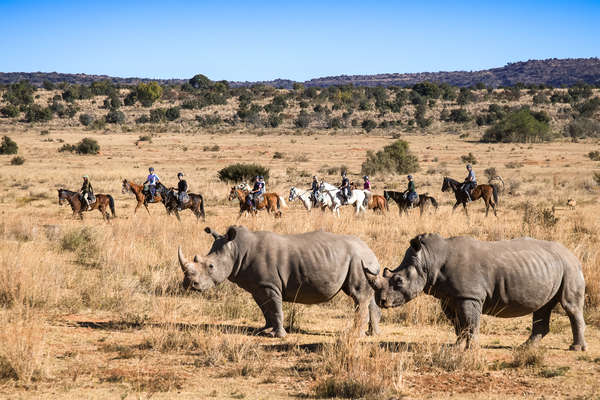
[489, 194]
[271, 202]
[103, 203]
[378, 203]
[137, 190]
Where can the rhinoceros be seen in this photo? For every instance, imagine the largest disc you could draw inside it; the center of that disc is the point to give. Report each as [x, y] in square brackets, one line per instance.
[307, 268]
[509, 278]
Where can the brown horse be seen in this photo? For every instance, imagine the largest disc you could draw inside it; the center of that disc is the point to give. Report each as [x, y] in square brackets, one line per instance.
[378, 203]
[137, 190]
[103, 203]
[489, 194]
[271, 202]
[195, 203]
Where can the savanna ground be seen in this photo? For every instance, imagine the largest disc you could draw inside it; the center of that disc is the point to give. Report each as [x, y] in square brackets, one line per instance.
[94, 309]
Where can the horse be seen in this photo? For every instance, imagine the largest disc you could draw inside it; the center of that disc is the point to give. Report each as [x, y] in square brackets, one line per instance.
[195, 202]
[271, 202]
[103, 203]
[378, 203]
[330, 196]
[489, 194]
[137, 190]
[305, 196]
[404, 205]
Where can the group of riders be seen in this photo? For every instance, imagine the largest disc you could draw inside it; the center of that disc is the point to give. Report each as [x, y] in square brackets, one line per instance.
[410, 194]
[253, 198]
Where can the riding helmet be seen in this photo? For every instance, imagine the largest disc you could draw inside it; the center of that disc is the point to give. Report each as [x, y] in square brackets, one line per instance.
[366, 177]
[469, 166]
[86, 177]
[151, 169]
[180, 174]
[409, 177]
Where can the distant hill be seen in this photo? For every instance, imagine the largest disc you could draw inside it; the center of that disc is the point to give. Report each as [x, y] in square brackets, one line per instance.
[553, 72]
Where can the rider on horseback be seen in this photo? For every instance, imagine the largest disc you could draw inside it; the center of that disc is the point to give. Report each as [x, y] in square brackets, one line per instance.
[345, 187]
[254, 195]
[411, 193]
[182, 188]
[315, 189]
[470, 182]
[151, 181]
[87, 192]
[367, 184]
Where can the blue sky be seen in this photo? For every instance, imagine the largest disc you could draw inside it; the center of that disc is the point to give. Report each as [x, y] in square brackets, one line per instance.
[267, 40]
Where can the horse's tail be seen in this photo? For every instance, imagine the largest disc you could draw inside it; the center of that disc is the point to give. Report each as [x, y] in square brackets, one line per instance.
[367, 199]
[495, 193]
[281, 202]
[111, 204]
[386, 203]
[433, 202]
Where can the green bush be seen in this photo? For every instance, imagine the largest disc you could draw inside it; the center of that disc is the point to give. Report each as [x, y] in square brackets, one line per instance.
[395, 158]
[148, 93]
[36, 113]
[519, 126]
[8, 146]
[114, 117]
[20, 93]
[303, 120]
[86, 119]
[594, 155]
[469, 159]
[368, 125]
[172, 113]
[242, 172]
[200, 81]
[9, 111]
[206, 121]
[18, 160]
[85, 146]
[459, 115]
[275, 120]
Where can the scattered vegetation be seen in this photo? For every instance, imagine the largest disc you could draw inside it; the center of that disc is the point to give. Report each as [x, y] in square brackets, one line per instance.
[8, 146]
[85, 146]
[18, 160]
[522, 126]
[396, 158]
[242, 172]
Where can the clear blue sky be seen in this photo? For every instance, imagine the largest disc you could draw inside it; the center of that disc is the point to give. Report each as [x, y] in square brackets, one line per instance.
[266, 40]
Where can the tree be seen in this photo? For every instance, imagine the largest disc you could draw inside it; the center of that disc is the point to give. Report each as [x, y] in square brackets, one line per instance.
[148, 93]
[48, 85]
[172, 113]
[35, 113]
[200, 81]
[87, 146]
[20, 93]
[9, 111]
[368, 125]
[86, 119]
[8, 146]
[114, 117]
[396, 158]
[519, 126]
[459, 115]
[427, 89]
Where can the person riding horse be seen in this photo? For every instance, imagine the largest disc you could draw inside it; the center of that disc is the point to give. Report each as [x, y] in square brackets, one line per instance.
[257, 190]
[315, 190]
[87, 192]
[470, 182]
[345, 188]
[151, 181]
[182, 188]
[367, 184]
[411, 193]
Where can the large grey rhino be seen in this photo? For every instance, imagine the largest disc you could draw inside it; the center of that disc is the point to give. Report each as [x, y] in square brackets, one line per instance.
[308, 268]
[510, 278]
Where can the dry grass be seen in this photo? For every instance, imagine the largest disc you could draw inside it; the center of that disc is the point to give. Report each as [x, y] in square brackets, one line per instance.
[90, 309]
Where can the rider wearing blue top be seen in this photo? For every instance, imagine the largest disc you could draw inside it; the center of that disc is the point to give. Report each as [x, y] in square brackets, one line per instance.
[257, 190]
[470, 182]
[152, 181]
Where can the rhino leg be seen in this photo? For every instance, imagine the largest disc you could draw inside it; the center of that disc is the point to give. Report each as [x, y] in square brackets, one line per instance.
[451, 315]
[541, 322]
[572, 302]
[374, 317]
[270, 304]
[468, 313]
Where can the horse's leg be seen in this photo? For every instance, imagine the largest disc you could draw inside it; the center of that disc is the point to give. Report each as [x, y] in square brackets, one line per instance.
[456, 205]
[465, 208]
[177, 215]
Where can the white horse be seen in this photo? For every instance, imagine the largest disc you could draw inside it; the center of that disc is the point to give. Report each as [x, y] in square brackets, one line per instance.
[303, 195]
[329, 197]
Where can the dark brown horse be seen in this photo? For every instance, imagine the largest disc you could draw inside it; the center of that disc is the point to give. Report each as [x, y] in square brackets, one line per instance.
[271, 202]
[195, 203]
[137, 190]
[404, 205]
[103, 203]
[378, 203]
[489, 194]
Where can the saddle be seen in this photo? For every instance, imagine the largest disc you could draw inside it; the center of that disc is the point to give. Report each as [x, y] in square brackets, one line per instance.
[184, 198]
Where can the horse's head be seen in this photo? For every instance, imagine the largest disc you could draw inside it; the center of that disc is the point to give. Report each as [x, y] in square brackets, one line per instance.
[125, 187]
[293, 193]
[233, 193]
[386, 195]
[445, 184]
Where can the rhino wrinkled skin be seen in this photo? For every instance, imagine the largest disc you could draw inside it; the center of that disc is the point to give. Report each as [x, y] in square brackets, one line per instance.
[307, 268]
[510, 278]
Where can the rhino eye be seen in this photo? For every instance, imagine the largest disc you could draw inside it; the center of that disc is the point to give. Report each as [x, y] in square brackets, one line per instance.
[211, 266]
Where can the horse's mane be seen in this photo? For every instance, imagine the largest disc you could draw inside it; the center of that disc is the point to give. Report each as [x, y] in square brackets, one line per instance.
[69, 192]
[450, 180]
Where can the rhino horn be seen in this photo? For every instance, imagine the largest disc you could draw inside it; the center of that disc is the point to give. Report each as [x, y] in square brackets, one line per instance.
[373, 279]
[182, 261]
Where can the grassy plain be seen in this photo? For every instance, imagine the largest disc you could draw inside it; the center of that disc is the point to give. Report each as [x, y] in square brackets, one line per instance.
[94, 310]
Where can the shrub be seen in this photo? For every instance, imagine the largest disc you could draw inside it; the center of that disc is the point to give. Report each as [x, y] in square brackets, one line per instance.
[200, 81]
[278, 155]
[459, 115]
[114, 117]
[519, 126]
[368, 125]
[67, 148]
[513, 165]
[427, 89]
[242, 172]
[145, 138]
[20, 93]
[172, 113]
[18, 160]
[594, 155]
[88, 146]
[469, 159]
[148, 93]
[206, 121]
[420, 119]
[596, 178]
[37, 113]
[303, 120]
[8, 146]
[211, 148]
[490, 173]
[583, 127]
[274, 120]
[9, 111]
[395, 158]
[86, 119]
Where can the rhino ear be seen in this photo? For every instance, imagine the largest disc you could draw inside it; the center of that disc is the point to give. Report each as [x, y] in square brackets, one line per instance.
[231, 233]
[374, 280]
[196, 258]
[416, 243]
[214, 234]
[387, 273]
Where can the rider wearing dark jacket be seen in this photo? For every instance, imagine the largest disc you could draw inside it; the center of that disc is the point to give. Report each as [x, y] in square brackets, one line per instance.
[345, 186]
[315, 189]
[86, 191]
[411, 192]
[182, 188]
